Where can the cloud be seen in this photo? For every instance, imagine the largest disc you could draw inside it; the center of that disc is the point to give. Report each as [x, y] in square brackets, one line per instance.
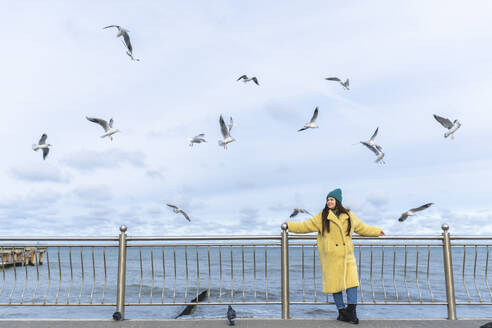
[39, 173]
[90, 160]
[32, 200]
[251, 222]
[284, 112]
[377, 200]
[155, 174]
[93, 193]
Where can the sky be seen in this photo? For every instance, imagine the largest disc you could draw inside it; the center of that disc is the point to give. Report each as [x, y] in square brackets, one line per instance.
[406, 61]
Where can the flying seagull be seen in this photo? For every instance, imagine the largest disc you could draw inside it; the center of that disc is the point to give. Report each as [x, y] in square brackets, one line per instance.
[412, 211]
[344, 84]
[225, 133]
[108, 128]
[246, 79]
[312, 124]
[376, 149]
[452, 127]
[177, 210]
[123, 32]
[42, 145]
[231, 316]
[299, 210]
[197, 139]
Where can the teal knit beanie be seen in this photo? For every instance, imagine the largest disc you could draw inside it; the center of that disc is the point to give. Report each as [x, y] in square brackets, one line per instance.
[335, 193]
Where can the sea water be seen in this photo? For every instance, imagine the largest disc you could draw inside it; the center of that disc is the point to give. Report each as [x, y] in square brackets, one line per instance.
[241, 274]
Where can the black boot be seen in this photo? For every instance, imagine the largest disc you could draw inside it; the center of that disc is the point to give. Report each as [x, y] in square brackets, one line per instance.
[351, 314]
[342, 315]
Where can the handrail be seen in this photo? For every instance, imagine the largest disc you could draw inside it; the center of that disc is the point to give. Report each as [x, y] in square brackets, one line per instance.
[235, 269]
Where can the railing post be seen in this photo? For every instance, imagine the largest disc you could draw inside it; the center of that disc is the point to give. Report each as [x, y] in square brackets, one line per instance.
[284, 248]
[448, 272]
[120, 291]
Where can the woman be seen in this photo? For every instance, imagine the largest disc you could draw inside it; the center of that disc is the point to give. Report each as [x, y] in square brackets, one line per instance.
[335, 225]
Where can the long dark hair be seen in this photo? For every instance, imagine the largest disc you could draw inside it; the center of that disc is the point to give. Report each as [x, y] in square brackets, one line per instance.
[339, 209]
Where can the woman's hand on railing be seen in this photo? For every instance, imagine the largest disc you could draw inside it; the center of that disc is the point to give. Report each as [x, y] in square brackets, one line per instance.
[382, 233]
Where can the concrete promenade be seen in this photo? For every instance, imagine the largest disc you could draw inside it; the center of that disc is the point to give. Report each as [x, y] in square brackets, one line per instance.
[242, 323]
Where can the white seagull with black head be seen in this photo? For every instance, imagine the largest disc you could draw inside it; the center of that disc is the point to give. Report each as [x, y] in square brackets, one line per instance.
[412, 211]
[177, 210]
[452, 127]
[299, 210]
[197, 139]
[312, 124]
[108, 128]
[344, 84]
[42, 145]
[124, 32]
[226, 133]
[376, 149]
[246, 79]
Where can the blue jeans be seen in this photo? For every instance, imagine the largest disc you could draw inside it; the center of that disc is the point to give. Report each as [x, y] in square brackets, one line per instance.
[351, 297]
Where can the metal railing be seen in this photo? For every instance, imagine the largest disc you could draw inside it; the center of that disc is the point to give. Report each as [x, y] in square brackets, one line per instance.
[246, 270]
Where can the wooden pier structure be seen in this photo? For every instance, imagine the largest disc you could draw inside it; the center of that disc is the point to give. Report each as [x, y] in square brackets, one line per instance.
[21, 256]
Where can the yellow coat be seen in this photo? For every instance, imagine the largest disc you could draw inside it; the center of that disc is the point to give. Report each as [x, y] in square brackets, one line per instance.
[335, 248]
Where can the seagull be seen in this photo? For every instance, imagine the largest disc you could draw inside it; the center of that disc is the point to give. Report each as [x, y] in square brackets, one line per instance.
[123, 32]
[344, 84]
[412, 211]
[299, 210]
[312, 124]
[371, 141]
[231, 316]
[197, 139]
[225, 133]
[42, 145]
[376, 149]
[246, 79]
[108, 128]
[177, 210]
[452, 127]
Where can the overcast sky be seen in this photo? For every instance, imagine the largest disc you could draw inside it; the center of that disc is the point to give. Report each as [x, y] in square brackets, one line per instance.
[406, 61]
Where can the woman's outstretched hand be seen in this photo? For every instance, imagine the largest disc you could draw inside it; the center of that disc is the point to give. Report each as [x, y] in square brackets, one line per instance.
[382, 233]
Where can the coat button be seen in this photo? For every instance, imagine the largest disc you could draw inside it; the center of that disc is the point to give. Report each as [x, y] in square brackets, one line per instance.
[336, 244]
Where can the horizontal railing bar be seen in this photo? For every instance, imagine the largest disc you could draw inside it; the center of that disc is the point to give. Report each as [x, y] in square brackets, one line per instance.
[203, 303]
[41, 246]
[452, 237]
[191, 238]
[468, 244]
[238, 303]
[58, 304]
[14, 246]
[373, 244]
[44, 246]
[376, 303]
[20, 246]
[235, 237]
[5, 238]
[294, 236]
[202, 245]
